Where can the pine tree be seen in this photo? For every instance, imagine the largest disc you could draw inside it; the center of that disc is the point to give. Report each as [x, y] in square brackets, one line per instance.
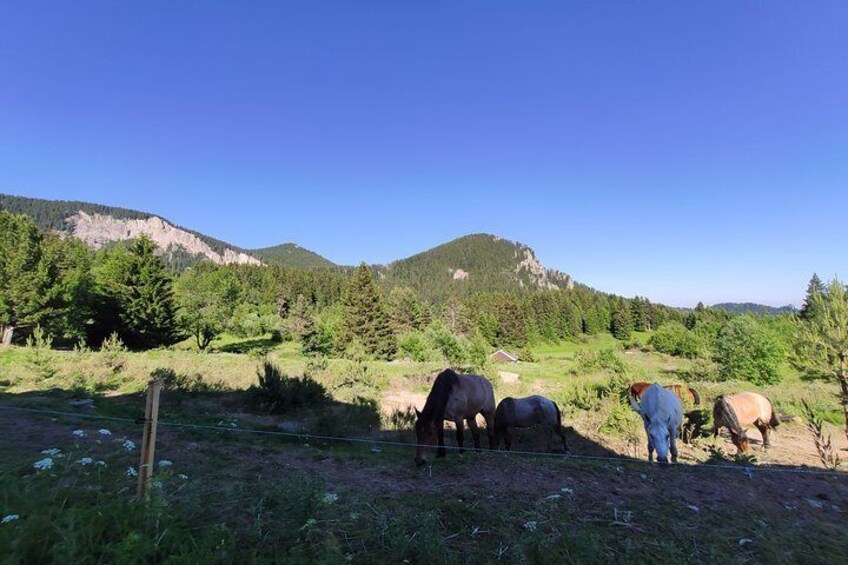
[821, 348]
[406, 311]
[366, 318]
[135, 281]
[621, 322]
[814, 288]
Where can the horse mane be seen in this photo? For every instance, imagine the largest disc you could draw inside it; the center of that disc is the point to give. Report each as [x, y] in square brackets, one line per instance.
[636, 389]
[723, 413]
[437, 400]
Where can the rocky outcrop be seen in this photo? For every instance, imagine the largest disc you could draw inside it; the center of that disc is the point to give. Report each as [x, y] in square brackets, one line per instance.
[97, 230]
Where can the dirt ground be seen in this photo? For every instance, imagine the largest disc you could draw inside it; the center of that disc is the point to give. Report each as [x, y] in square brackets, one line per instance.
[385, 469]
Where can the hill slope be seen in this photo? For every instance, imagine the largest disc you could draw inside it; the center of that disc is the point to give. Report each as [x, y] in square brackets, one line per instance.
[292, 255]
[474, 263]
[752, 308]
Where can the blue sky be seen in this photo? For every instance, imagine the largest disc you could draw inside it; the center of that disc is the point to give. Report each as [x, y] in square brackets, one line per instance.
[678, 150]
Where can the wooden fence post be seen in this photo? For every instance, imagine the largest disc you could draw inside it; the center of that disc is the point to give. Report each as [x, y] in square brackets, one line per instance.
[148, 442]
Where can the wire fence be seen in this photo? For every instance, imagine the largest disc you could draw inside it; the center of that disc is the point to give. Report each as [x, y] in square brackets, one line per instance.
[374, 442]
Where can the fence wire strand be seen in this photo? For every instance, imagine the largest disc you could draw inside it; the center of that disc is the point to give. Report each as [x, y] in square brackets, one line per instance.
[304, 437]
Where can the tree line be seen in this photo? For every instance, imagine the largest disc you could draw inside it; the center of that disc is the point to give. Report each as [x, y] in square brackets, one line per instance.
[127, 290]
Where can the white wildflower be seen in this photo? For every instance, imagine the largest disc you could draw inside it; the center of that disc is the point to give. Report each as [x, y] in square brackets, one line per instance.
[44, 464]
[79, 433]
[100, 463]
[330, 497]
[568, 491]
[9, 518]
[530, 526]
[553, 497]
[104, 432]
[52, 452]
[157, 485]
[86, 461]
[131, 472]
[165, 463]
[129, 444]
[183, 477]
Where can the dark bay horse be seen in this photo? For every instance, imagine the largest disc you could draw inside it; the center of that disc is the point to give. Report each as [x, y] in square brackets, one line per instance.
[525, 413]
[735, 411]
[683, 392]
[454, 397]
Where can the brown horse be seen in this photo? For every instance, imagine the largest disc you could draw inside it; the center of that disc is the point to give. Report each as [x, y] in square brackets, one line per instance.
[735, 411]
[683, 392]
[525, 413]
[454, 397]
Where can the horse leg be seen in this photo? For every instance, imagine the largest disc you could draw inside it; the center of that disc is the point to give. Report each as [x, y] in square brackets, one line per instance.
[763, 427]
[561, 433]
[490, 429]
[672, 446]
[650, 449]
[475, 431]
[460, 436]
[440, 434]
[507, 439]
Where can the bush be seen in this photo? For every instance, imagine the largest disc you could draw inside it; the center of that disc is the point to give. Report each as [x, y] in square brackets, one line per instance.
[279, 393]
[40, 354]
[181, 382]
[113, 353]
[414, 346]
[747, 350]
[674, 339]
[446, 343]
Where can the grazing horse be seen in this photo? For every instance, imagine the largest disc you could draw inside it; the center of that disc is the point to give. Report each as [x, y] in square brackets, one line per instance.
[662, 414]
[735, 411]
[683, 392]
[525, 413]
[454, 397]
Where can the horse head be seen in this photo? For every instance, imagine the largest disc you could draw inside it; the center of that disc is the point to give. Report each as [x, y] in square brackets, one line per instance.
[425, 435]
[658, 432]
[740, 440]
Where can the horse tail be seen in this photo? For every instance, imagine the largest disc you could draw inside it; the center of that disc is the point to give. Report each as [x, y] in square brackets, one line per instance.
[773, 422]
[724, 415]
[696, 398]
[559, 415]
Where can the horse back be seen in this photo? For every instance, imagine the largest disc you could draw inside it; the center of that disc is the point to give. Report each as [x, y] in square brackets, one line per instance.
[750, 407]
[471, 395]
[659, 403]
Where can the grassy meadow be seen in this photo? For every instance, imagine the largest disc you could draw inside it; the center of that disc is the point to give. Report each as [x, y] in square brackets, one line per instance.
[223, 496]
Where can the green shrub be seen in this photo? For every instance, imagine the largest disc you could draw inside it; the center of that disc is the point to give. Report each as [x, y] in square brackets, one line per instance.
[279, 393]
[446, 343]
[674, 339]
[414, 346]
[113, 353]
[40, 354]
[747, 350]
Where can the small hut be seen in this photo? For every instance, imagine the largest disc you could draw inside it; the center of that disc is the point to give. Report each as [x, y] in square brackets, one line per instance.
[502, 356]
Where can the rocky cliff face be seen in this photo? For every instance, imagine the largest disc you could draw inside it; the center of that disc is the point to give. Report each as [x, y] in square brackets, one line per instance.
[97, 230]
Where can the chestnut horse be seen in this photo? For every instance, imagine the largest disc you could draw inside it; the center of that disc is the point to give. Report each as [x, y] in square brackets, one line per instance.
[454, 397]
[683, 392]
[735, 411]
[662, 414]
[525, 413]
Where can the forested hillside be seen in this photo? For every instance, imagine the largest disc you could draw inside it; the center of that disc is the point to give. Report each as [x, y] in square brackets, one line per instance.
[752, 308]
[474, 263]
[292, 255]
[54, 215]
